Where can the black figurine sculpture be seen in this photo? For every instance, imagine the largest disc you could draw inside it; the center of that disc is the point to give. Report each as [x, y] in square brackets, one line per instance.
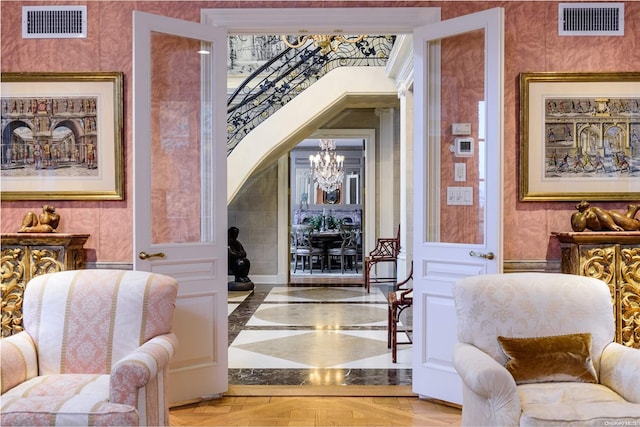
[239, 264]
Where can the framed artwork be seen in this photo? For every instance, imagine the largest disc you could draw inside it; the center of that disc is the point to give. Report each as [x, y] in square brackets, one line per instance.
[579, 136]
[62, 136]
[332, 197]
[328, 197]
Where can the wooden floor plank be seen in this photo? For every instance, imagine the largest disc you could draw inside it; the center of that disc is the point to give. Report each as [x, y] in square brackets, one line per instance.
[316, 411]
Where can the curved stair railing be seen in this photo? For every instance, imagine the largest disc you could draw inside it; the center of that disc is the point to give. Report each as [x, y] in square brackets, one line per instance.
[290, 72]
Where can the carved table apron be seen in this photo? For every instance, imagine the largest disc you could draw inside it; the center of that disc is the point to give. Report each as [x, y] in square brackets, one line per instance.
[26, 255]
[613, 257]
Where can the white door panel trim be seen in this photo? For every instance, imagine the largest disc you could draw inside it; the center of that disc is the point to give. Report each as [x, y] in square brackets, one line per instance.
[199, 366]
[439, 264]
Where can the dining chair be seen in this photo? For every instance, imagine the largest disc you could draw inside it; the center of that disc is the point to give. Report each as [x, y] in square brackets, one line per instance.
[400, 299]
[292, 245]
[348, 249]
[386, 251]
[305, 251]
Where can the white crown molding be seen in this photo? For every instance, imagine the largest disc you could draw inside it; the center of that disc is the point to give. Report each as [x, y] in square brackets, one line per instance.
[400, 64]
[360, 20]
[400, 21]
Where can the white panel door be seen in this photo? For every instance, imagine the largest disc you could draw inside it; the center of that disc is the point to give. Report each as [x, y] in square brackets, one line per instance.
[180, 214]
[458, 182]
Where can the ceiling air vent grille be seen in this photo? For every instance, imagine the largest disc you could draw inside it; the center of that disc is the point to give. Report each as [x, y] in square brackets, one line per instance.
[591, 19]
[54, 22]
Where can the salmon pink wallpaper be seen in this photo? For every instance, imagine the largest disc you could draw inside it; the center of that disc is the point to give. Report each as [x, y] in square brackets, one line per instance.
[532, 44]
[175, 140]
[463, 83]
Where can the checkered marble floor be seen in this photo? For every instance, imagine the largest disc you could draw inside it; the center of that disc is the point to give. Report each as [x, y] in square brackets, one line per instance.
[320, 335]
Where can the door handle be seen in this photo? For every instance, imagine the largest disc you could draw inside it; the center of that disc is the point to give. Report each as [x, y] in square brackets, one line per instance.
[144, 255]
[490, 255]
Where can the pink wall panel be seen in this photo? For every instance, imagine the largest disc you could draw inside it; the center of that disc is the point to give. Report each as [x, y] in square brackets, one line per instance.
[463, 86]
[531, 45]
[539, 48]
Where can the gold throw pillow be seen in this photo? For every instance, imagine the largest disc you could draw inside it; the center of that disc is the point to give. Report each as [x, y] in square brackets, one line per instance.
[559, 358]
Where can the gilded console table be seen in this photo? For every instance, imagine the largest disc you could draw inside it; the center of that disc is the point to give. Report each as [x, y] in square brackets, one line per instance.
[26, 255]
[613, 257]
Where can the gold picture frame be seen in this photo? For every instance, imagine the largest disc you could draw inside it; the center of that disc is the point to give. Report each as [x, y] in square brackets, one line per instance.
[579, 136]
[62, 136]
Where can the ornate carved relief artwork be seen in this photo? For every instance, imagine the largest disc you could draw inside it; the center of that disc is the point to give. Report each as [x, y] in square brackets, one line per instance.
[26, 255]
[630, 296]
[613, 257]
[12, 288]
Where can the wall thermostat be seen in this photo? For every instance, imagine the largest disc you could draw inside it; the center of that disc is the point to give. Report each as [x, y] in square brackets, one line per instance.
[463, 147]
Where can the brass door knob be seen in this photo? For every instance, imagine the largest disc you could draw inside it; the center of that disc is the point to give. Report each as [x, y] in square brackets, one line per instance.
[144, 255]
[489, 256]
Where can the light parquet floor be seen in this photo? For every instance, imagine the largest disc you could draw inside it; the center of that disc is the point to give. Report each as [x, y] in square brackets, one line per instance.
[372, 392]
[316, 411]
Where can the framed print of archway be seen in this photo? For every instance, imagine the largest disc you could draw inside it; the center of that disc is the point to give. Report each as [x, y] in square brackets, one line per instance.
[62, 136]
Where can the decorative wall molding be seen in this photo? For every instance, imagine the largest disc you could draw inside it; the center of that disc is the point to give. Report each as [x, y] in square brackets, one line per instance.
[523, 266]
[109, 265]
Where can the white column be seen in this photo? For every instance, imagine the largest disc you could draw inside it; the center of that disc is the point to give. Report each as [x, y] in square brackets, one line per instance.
[387, 176]
[406, 179]
[388, 182]
[283, 220]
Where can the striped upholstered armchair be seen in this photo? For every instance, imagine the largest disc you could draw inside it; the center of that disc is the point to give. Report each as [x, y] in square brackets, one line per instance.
[94, 351]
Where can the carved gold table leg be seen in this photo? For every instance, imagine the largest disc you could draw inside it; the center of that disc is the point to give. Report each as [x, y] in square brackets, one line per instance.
[630, 297]
[12, 269]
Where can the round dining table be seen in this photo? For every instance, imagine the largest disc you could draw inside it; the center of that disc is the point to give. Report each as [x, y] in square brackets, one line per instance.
[326, 239]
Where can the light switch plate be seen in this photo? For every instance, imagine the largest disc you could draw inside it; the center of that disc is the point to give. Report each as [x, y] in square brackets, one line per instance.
[460, 196]
[461, 128]
[460, 172]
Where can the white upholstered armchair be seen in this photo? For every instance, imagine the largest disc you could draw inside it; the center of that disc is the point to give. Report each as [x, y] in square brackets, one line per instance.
[94, 351]
[562, 367]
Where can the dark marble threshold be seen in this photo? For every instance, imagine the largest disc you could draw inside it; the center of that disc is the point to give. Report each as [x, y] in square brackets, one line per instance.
[325, 376]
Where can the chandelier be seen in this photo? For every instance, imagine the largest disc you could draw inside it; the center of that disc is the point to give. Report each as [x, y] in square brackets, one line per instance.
[327, 167]
[325, 42]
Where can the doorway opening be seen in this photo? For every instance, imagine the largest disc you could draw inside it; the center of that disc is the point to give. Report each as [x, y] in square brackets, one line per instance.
[379, 328]
[333, 219]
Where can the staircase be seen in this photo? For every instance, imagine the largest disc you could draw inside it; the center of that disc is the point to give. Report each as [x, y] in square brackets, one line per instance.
[342, 88]
[286, 99]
